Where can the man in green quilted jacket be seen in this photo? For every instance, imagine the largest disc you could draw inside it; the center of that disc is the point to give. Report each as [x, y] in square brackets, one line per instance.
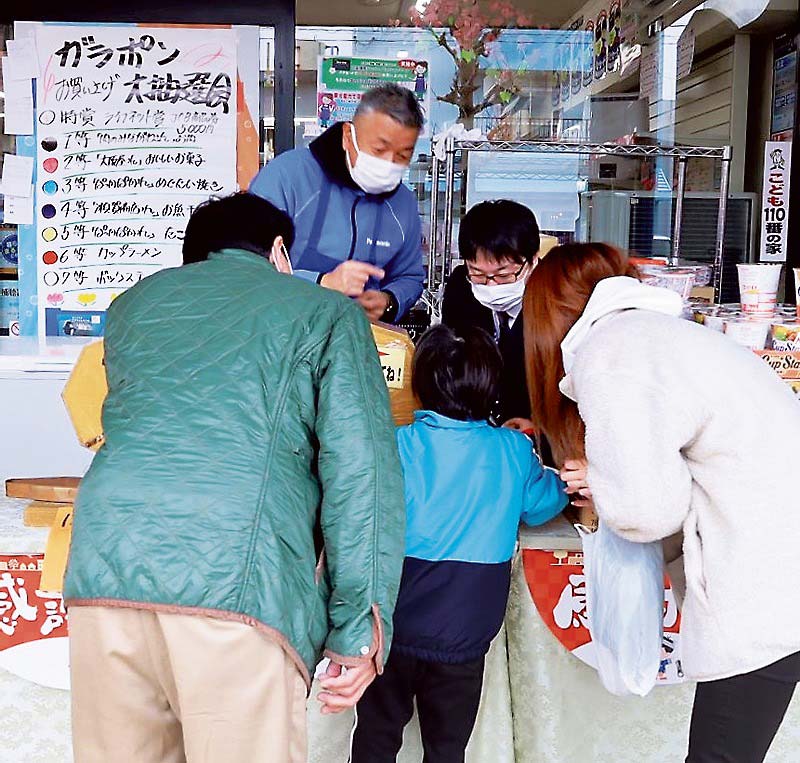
[246, 415]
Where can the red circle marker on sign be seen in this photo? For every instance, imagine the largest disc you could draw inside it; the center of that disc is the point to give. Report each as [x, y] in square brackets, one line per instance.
[50, 165]
[557, 585]
[50, 258]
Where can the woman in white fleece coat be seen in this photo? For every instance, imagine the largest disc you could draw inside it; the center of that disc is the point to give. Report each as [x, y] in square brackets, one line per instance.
[684, 430]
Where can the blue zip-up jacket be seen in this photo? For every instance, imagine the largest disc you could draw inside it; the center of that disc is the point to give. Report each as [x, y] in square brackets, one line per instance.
[467, 486]
[335, 220]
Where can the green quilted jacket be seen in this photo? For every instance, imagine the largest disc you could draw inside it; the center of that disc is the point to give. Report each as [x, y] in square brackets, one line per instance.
[246, 415]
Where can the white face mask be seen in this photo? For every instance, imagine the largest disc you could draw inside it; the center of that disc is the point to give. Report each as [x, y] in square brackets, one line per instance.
[372, 174]
[503, 297]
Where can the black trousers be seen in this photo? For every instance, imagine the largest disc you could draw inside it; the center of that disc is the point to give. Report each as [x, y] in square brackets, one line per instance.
[447, 704]
[735, 720]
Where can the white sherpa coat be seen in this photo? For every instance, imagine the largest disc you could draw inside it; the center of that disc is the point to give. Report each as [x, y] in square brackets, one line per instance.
[687, 430]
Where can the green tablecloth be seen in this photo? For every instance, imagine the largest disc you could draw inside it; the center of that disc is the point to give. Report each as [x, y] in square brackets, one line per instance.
[540, 704]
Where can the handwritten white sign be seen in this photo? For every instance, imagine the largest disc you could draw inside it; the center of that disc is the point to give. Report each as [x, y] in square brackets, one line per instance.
[135, 128]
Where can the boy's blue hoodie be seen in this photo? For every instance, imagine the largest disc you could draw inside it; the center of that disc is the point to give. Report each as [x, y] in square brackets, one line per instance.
[467, 485]
[335, 220]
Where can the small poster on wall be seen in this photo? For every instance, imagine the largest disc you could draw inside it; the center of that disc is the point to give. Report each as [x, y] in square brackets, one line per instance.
[614, 36]
[600, 45]
[775, 201]
[577, 57]
[784, 88]
[343, 80]
[556, 88]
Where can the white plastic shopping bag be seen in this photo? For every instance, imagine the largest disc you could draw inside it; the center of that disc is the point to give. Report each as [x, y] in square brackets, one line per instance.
[625, 606]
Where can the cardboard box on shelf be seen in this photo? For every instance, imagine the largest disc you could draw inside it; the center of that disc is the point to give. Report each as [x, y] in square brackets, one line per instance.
[585, 516]
[705, 293]
[396, 351]
[588, 518]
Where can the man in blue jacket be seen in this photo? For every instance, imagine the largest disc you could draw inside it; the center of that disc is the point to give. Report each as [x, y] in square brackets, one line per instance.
[357, 225]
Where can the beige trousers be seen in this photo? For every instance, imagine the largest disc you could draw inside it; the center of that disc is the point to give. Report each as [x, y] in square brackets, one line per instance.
[168, 688]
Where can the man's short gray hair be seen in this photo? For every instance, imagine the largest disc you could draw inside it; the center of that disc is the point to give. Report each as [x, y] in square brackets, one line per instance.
[395, 101]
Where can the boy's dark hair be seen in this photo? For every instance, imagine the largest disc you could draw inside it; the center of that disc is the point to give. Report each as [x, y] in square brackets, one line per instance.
[499, 229]
[457, 376]
[238, 221]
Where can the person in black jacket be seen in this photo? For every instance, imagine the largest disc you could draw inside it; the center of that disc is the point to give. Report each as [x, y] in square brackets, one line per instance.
[499, 243]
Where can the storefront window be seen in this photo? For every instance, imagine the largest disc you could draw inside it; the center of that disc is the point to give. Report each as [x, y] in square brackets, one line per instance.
[610, 74]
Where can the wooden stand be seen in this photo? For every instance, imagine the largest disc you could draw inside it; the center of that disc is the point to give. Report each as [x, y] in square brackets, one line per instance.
[41, 513]
[46, 489]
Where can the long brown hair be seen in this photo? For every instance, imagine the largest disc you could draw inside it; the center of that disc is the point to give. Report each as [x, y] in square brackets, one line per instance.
[556, 296]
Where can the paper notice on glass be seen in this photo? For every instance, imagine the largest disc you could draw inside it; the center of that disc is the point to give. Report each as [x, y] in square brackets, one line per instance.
[18, 102]
[648, 72]
[22, 54]
[17, 175]
[686, 52]
[18, 209]
[25, 29]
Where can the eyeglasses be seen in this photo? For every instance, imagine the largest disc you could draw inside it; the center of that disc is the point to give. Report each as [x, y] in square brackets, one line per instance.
[481, 279]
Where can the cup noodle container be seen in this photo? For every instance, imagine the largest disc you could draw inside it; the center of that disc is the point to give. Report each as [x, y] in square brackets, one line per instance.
[715, 322]
[758, 286]
[714, 317]
[677, 280]
[750, 333]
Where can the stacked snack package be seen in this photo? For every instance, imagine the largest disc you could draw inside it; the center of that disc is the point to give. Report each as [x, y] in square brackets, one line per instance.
[757, 322]
[781, 332]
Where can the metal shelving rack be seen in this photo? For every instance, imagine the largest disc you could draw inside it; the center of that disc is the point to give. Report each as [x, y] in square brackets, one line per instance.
[447, 167]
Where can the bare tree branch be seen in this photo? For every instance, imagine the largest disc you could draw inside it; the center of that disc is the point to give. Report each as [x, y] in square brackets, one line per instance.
[442, 39]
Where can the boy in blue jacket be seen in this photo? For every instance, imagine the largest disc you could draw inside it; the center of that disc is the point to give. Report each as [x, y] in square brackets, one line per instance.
[467, 486]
